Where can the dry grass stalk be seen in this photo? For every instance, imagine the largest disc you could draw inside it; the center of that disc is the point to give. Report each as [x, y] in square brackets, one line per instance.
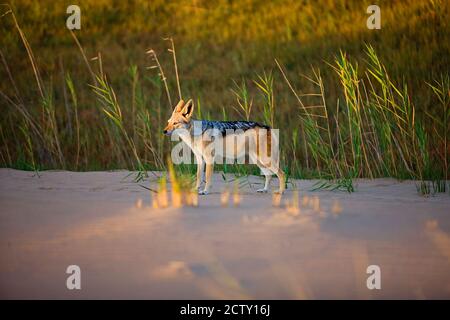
[225, 198]
[174, 55]
[153, 55]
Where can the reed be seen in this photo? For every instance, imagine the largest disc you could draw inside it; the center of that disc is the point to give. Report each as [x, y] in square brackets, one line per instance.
[265, 85]
[73, 96]
[113, 111]
[353, 117]
[244, 102]
[375, 131]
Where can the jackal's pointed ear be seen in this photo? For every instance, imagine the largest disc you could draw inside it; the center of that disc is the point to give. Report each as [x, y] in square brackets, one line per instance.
[188, 109]
[179, 106]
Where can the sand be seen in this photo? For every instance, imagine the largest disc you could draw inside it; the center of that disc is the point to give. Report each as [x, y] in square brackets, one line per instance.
[104, 223]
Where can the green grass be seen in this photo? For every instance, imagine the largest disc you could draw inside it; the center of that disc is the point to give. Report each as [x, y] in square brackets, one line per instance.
[349, 102]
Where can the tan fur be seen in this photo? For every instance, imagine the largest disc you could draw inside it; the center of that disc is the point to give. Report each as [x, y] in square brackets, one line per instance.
[181, 119]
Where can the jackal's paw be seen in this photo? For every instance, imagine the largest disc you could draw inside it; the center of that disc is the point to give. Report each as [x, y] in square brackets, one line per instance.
[262, 190]
[280, 192]
[203, 192]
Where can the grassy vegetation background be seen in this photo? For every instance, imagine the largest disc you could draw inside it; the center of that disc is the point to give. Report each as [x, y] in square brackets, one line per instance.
[218, 44]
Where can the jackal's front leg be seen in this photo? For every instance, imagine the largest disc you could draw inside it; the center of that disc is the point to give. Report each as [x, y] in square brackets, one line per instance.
[200, 170]
[209, 172]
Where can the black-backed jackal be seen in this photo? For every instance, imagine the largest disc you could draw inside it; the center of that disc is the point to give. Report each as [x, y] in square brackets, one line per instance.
[200, 135]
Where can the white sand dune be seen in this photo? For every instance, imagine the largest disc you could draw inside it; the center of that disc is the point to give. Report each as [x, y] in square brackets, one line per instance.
[254, 250]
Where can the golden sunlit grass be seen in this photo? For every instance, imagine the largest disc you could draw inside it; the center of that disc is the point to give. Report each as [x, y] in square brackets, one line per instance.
[236, 195]
[191, 197]
[138, 203]
[161, 200]
[225, 198]
[315, 204]
[181, 190]
[177, 200]
[336, 208]
[154, 199]
[292, 206]
[276, 199]
[305, 201]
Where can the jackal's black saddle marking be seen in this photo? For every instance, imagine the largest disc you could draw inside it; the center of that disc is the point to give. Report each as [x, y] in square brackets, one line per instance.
[226, 127]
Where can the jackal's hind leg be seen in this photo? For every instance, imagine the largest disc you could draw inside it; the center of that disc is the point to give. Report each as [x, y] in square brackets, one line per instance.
[268, 171]
[282, 179]
[209, 173]
[268, 174]
[200, 171]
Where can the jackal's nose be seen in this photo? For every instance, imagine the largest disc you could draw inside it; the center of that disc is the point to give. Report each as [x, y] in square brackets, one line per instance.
[165, 131]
